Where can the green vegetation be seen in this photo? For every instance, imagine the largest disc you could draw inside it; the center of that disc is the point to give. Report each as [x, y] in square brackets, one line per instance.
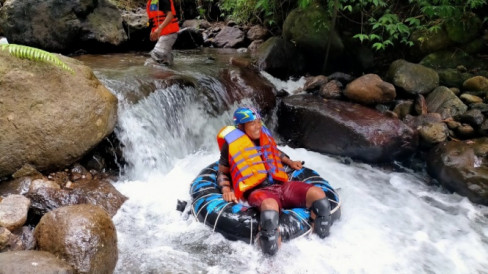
[34, 54]
[271, 13]
[380, 23]
[386, 23]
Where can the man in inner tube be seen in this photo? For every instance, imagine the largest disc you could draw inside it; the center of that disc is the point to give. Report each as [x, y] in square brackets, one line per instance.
[251, 168]
[164, 29]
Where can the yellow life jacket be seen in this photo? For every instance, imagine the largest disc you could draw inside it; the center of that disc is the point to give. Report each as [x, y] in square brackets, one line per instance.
[250, 165]
[156, 17]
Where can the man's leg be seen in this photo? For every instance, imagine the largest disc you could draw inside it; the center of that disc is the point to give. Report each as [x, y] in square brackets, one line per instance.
[267, 200]
[162, 52]
[269, 238]
[320, 208]
[300, 194]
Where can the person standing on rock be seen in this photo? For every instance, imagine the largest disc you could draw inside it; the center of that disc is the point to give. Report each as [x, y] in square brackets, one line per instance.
[162, 18]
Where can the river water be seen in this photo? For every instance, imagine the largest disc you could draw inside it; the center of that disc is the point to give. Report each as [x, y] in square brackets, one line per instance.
[392, 222]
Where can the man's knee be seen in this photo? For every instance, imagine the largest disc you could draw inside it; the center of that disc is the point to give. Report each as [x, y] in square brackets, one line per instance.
[270, 204]
[322, 221]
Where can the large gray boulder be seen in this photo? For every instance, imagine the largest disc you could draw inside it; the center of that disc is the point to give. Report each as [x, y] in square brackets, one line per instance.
[62, 25]
[345, 129]
[49, 117]
[412, 78]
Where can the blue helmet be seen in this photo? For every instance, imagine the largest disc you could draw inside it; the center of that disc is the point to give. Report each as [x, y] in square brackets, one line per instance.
[243, 115]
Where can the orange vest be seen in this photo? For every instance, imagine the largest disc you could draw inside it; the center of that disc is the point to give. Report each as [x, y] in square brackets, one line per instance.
[157, 17]
[251, 165]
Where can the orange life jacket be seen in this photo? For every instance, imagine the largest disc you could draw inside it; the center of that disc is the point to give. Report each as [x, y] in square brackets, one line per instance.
[250, 165]
[156, 17]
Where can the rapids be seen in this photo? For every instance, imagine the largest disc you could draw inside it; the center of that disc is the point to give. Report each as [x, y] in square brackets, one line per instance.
[392, 222]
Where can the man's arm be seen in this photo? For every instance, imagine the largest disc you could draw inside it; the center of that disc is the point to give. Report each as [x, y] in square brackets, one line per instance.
[225, 185]
[287, 161]
[155, 34]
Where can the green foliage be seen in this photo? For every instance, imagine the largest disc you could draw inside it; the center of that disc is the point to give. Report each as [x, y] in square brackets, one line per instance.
[385, 23]
[34, 54]
[265, 12]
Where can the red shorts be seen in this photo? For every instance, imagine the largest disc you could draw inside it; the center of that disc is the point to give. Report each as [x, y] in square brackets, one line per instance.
[287, 195]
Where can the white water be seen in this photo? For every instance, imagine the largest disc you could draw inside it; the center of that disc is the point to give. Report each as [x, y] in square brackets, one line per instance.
[391, 222]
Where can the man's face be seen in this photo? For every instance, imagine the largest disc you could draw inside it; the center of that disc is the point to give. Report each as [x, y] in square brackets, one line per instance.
[253, 129]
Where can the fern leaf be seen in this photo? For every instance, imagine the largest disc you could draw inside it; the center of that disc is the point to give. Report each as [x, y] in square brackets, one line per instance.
[35, 54]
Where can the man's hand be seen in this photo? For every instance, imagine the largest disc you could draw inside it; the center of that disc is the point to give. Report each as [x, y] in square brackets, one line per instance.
[154, 36]
[297, 165]
[228, 195]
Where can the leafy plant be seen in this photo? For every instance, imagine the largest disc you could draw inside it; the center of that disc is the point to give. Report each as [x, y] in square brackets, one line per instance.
[34, 54]
[266, 12]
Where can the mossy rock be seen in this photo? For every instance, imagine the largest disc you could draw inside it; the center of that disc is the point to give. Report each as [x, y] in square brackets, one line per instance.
[309, 29]
[465, 30]
[452, 77]
[452, 59]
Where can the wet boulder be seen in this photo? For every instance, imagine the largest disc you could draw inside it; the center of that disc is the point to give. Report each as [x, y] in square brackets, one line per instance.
[243, 83]
[343, 128]
[13, 211]
[370, 89]
[33, 262]
[331, 90]
[84, 236]
[462, 167]
[50, 117]
[314, 82]
[432, 130]
[46, 196]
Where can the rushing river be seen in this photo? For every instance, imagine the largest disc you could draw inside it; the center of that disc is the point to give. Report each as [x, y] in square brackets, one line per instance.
[392, 222]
